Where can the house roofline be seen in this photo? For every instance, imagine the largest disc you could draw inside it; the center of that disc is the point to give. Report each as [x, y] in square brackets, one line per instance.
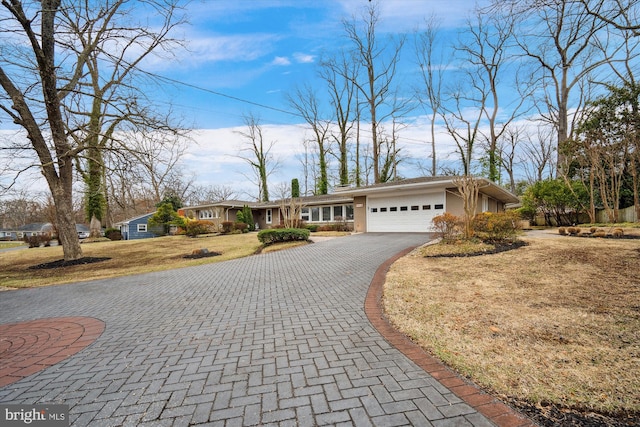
[127, 221]
[490, 187]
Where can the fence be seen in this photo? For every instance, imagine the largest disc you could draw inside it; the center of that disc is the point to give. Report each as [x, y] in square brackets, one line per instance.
[624, 215]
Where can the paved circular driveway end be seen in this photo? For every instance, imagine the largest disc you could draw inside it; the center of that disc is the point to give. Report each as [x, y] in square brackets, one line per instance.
[499, 413]
[29, 347]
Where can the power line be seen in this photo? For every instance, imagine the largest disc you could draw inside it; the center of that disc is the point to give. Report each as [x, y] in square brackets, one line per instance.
[257, 104]
[224, 95]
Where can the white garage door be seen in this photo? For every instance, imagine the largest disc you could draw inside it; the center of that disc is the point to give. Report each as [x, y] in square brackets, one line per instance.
[410, 213]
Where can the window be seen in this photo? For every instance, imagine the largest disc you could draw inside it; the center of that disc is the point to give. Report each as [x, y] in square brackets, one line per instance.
[304, 214]
[337, 213]
[142, 228]
[326, 213]
[403, 208]
[415, 207]
[393, 209]
[374, 210]
[315, 214]
[426, 207]
[208, 214]
[349, 213]
[383, 209]
[269, 216]
[439, 206]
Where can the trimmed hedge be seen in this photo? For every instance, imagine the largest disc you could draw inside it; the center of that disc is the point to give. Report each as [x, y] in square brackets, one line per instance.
[277, 235]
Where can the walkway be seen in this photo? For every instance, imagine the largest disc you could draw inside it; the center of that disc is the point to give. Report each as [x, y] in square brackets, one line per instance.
[274, 339]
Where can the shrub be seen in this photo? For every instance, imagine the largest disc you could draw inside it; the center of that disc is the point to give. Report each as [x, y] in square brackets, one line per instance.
[341, 224]
[241, 226]
[573, 231]
[496, 227]
[562, 231]
[312, 227]
[618, 232]
[272, 235]
[447, 226]
[227, 227]
[36, 241]
[197, 227]
[600, 233]
[113, 234]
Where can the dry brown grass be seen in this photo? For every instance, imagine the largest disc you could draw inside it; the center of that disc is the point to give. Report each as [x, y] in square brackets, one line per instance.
[557, 321]
[127, 257]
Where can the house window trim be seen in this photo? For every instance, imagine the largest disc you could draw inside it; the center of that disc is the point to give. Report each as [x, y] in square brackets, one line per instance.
[142, 228]
[269, 216]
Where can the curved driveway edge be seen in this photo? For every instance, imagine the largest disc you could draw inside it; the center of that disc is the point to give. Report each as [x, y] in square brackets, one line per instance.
[492, 408]
[277, 339]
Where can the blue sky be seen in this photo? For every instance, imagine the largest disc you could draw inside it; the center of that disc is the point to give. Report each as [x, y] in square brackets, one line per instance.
[261, 50]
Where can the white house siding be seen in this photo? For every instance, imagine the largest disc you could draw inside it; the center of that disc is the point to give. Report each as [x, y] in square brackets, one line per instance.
[404, 213]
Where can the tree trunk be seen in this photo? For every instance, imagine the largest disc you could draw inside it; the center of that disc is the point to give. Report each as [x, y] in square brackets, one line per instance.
[66, 224]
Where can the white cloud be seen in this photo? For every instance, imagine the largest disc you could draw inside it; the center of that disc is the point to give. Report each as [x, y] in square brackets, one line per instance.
[303, 58]
[281, 60]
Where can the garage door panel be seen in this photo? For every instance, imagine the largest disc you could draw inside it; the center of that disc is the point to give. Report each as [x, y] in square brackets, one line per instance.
[410, 213]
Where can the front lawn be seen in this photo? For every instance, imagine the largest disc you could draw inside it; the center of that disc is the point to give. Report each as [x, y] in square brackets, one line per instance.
[126, 257]
[553, 327]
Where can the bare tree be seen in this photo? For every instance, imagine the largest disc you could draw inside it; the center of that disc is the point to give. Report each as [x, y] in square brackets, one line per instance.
[507, 150]
[561, 38]
[211, 193]
[488, 51]
[290, 207]
[431, 74]
[306, 103]
[258, 155]
[463, 115]
[342, 93]
[621, 14]
[537, 153]
[44, 99]
[469, 189]
[379, 63]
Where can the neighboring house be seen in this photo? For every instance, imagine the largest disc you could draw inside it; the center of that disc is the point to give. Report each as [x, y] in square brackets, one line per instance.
[138, 228]
[401, 206]
[36, 229]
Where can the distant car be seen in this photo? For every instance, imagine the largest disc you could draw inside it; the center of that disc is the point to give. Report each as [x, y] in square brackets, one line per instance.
[83, 234]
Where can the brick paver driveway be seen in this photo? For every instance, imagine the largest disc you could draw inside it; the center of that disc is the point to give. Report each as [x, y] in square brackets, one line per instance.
[273, 339]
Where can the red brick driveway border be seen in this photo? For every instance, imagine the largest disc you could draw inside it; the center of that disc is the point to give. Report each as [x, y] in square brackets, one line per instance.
[498, 412]
[31, 346]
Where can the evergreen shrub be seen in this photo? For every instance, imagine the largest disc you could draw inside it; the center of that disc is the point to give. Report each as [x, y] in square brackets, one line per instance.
[277, 235]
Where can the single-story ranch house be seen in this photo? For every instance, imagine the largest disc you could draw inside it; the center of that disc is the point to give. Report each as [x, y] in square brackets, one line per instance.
[138, 228]
[401, 206]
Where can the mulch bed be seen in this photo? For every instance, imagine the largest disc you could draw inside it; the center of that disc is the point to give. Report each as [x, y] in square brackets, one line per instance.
[497, 248]
[62, 263]
[553, 416]
[202, 255]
